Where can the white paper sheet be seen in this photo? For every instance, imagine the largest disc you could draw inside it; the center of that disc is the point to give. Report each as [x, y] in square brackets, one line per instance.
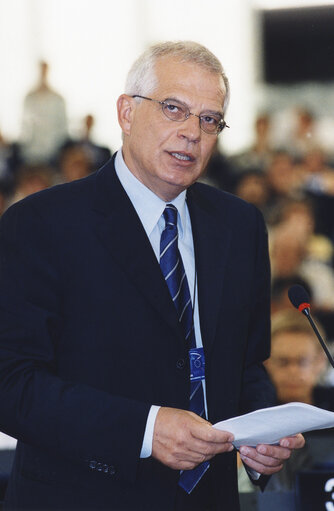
[7, 442]
[269, 425]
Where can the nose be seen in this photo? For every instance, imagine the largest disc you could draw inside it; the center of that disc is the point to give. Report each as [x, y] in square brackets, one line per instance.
[190, 129]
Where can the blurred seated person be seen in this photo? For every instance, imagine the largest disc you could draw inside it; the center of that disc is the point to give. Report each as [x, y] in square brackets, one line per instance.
[317, 177]
[9, 163]
[98, 154]
[44, 123]
[219, 171]
[32, 179]
[280, 301]
[3, 200]
[259, 154]
[252, 187]
[315, 173]
[299, 214]
[74, 162]
[279, 292]
[303, 136]
[281, 176]
[295, 366]
[297, 361]
[306, 134]
[288, 251]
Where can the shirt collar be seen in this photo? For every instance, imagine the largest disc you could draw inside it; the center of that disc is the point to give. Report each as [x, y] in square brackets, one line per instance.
[148, 206]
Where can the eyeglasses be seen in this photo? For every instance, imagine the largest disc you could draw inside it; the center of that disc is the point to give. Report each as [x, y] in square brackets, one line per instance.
[211, 123]
[301, 362]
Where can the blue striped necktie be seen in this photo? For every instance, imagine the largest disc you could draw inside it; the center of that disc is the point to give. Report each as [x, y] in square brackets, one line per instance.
[173, 271]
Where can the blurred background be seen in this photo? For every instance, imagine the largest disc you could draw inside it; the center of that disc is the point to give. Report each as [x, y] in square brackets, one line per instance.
[267, 47]
[63, 63]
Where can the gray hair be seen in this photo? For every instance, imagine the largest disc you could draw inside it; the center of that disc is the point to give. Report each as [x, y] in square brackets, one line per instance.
[142, 78]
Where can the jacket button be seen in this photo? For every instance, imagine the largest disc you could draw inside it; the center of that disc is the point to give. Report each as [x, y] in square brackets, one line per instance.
[112, 470]
[99, 467]
[180, 363]
[92, 464]
[105, 469]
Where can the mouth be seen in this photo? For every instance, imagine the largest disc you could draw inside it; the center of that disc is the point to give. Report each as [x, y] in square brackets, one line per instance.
[181, 156]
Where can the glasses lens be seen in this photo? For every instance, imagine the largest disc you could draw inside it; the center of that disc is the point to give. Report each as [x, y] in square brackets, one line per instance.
[175, 110]
[211, 123]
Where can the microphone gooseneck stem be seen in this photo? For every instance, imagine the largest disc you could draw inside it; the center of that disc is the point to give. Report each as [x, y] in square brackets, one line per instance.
[307, 313]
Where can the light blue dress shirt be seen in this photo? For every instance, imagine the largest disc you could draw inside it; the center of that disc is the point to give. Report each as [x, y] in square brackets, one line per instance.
[150, 208]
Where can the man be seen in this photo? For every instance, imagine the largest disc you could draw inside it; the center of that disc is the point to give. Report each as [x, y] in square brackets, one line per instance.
[297, 360]
[295, 366]
[44, 122]
[94, 371]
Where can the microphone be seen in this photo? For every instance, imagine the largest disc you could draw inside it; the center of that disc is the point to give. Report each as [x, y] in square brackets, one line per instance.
[301, 300]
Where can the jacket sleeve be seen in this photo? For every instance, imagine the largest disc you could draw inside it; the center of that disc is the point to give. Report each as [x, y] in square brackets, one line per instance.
[74, 420]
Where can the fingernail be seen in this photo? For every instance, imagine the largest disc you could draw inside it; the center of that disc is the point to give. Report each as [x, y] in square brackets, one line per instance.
[285, 443]
[244, 451]
[261, 449]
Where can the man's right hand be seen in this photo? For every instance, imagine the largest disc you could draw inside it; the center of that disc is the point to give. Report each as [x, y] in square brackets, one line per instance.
[182, 440]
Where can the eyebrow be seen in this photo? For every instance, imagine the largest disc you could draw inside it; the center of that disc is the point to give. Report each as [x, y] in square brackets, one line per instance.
[208, 111]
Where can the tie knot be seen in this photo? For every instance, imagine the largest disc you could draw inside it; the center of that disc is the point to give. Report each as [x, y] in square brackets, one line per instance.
[170, 215]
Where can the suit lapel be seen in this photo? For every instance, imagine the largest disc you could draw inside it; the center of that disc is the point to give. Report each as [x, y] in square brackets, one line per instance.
[211, 243]
[120, 230]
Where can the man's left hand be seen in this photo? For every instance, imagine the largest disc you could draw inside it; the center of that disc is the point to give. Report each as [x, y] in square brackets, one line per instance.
[269, 459]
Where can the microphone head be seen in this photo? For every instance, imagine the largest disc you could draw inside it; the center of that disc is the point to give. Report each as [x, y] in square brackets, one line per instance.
[299, 297]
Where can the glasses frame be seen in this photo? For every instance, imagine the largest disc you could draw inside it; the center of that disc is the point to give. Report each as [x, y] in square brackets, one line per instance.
[221, 125]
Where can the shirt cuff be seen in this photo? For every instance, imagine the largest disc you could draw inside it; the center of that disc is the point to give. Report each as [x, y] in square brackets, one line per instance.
[146, 449]
[252, 473]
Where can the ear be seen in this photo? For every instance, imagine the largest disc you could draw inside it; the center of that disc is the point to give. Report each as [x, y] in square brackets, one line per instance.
[125, 110]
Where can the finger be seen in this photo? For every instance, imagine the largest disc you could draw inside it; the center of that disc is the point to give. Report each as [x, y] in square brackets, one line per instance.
[209, 434]
[202, 451]
[187, 457]
[274, 451]
[203, 430]
[271, 459]
[210, 449]
[293, 442]
[259, 467]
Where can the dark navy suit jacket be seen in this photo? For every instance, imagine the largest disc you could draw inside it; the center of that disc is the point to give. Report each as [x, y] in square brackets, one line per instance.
[89, 340]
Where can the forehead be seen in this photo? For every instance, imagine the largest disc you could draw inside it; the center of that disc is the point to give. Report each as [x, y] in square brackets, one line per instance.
[291, 344]
[189, 82]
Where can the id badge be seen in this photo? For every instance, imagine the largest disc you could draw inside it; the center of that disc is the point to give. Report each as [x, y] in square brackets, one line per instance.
[197, 364]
